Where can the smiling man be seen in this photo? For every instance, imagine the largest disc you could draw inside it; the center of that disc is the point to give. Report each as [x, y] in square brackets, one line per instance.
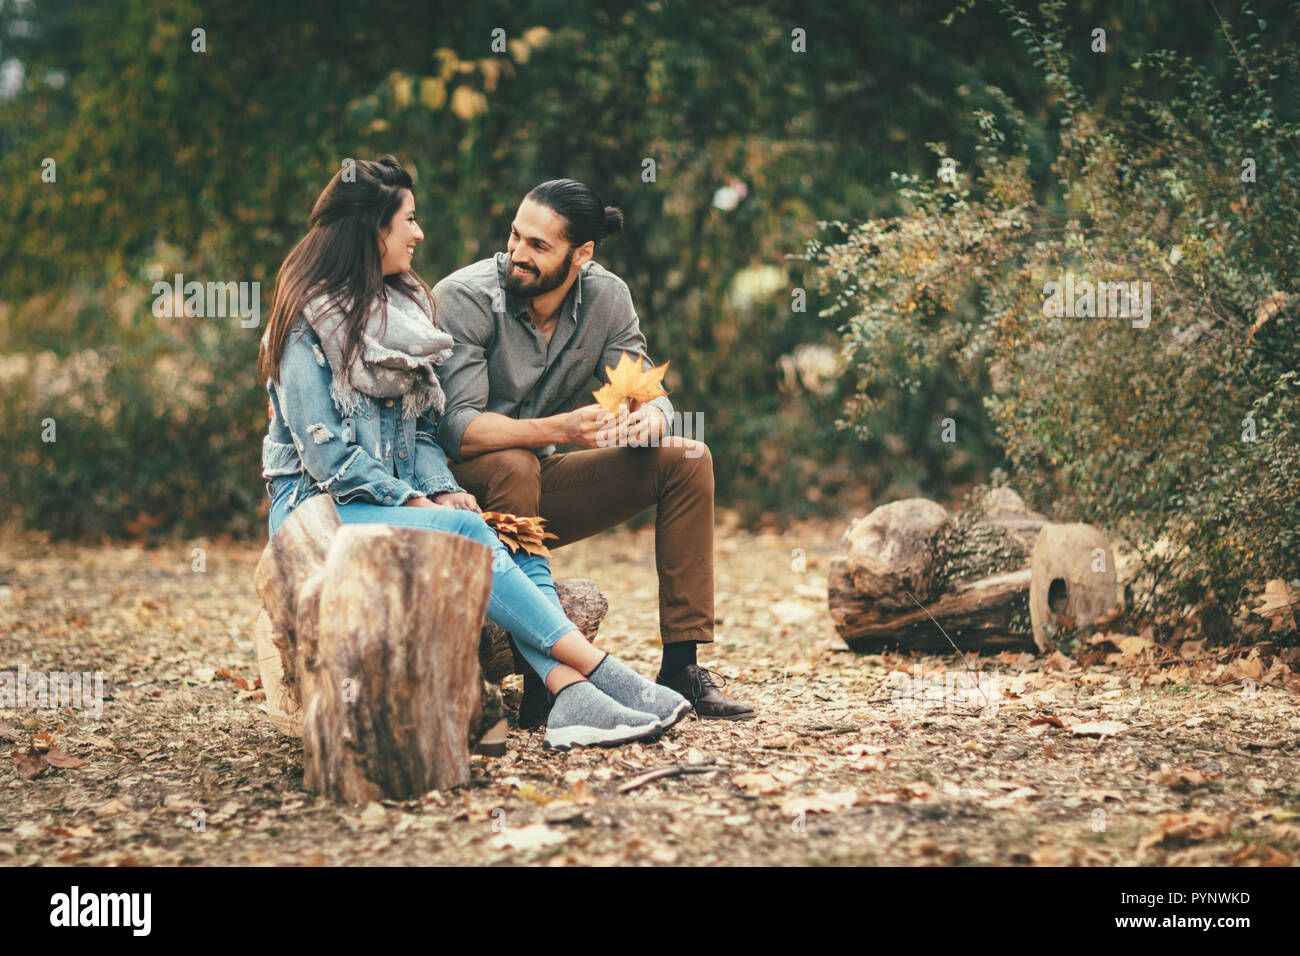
[532, 326]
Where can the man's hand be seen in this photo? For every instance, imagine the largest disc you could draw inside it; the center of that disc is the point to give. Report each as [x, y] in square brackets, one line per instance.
[458, 499]
[582, 426]
[647, 426]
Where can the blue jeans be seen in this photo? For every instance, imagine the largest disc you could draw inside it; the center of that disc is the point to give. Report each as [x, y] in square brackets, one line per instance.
[523, 599]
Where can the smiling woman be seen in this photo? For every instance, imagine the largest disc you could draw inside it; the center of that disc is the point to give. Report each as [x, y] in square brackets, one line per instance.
[398, 239]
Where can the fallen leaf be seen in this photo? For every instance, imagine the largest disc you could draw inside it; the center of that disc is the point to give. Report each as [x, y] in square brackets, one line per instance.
[764, 782]
[112, 807]
[1049, 719]
[1132, 646]
[820, 803]
[581, 794]
[29, 763]
[1277, 606]
[532, 837]
[57, 758]
[8, 733]
[865, 749]
[1059, 662]
[1183, 826]
[1101, 796]
[1049, 855]
[1267, 856]
[1251, 666]
[1179, 778]
[529, 792]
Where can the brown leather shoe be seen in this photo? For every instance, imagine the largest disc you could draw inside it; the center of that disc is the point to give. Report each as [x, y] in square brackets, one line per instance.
[695, 683]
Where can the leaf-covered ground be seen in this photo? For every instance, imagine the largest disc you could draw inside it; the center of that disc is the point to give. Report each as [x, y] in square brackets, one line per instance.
[1120, 763]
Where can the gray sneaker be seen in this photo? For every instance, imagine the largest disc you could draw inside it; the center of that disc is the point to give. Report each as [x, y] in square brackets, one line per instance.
[584, 716]
[632, 690]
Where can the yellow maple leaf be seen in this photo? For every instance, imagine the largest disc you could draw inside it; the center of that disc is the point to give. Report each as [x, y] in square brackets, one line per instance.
[629, 383]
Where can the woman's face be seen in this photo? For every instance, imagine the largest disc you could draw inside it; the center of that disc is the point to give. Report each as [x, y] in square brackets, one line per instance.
[397, 240]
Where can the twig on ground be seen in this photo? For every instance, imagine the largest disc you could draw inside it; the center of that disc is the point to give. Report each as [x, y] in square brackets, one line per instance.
[676, 770]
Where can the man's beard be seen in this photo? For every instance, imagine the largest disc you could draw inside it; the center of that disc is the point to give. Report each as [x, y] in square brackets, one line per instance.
[530, 288]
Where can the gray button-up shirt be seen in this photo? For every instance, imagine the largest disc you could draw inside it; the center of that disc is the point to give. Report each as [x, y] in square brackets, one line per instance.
[502, 362]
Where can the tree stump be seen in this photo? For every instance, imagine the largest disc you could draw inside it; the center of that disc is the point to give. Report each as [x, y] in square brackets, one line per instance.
[1073, 581]
[377, 629]
[909, 572]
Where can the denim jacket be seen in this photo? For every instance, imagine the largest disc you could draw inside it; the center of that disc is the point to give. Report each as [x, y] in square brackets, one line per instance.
[374, 457]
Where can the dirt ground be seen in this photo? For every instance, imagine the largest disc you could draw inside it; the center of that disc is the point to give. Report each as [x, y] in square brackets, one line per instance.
[1117, 764]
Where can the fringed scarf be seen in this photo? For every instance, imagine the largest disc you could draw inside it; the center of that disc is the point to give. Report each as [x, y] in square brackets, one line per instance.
[399, 348]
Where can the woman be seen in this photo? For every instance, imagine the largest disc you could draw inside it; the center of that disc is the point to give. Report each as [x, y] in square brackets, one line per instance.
[348, 359]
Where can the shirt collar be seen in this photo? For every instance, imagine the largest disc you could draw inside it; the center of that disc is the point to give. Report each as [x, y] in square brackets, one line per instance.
[519, 307]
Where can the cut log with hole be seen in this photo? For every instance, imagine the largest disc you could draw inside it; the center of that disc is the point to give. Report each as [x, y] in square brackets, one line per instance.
[910, 576]
[583, 604]
[1073, 584]
[377, 630]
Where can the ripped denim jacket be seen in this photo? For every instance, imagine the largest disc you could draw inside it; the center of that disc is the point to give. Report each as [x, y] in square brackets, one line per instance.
[374, 456]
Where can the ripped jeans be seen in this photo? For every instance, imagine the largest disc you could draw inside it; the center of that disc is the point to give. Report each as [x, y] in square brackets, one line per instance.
[523, 599]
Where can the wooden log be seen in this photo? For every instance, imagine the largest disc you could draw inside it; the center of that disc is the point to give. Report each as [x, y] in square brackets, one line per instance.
[887, 554]
[909, 572]
[384, 626]
[1073, 583]
[983, 616]
[583, 604]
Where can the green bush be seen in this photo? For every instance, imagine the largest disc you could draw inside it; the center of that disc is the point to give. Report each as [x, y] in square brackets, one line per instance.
[1144, 431]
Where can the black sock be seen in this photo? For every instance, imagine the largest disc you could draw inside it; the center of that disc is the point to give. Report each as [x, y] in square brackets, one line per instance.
[533, 684]
[676, 656]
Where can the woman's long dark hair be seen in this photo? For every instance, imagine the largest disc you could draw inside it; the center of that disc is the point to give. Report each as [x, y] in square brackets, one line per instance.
[340, 257]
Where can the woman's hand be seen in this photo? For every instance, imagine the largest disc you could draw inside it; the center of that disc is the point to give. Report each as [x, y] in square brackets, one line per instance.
[421, 502]
[458, 499]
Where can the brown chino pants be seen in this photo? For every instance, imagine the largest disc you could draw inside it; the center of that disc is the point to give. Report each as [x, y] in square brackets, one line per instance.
[581, 493]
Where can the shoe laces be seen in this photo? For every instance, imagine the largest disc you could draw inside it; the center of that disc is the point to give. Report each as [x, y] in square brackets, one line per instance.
[704, 680]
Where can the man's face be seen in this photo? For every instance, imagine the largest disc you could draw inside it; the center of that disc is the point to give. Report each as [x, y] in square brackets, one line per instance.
[541, 259]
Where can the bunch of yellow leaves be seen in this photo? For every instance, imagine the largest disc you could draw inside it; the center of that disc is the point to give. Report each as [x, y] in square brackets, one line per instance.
[630, 385]
[518, 532]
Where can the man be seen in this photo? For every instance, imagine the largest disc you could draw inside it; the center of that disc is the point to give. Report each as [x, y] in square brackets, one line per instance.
[532, 326]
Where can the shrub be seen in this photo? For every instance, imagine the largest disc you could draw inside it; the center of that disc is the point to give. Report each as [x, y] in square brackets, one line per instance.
[1179, 436]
